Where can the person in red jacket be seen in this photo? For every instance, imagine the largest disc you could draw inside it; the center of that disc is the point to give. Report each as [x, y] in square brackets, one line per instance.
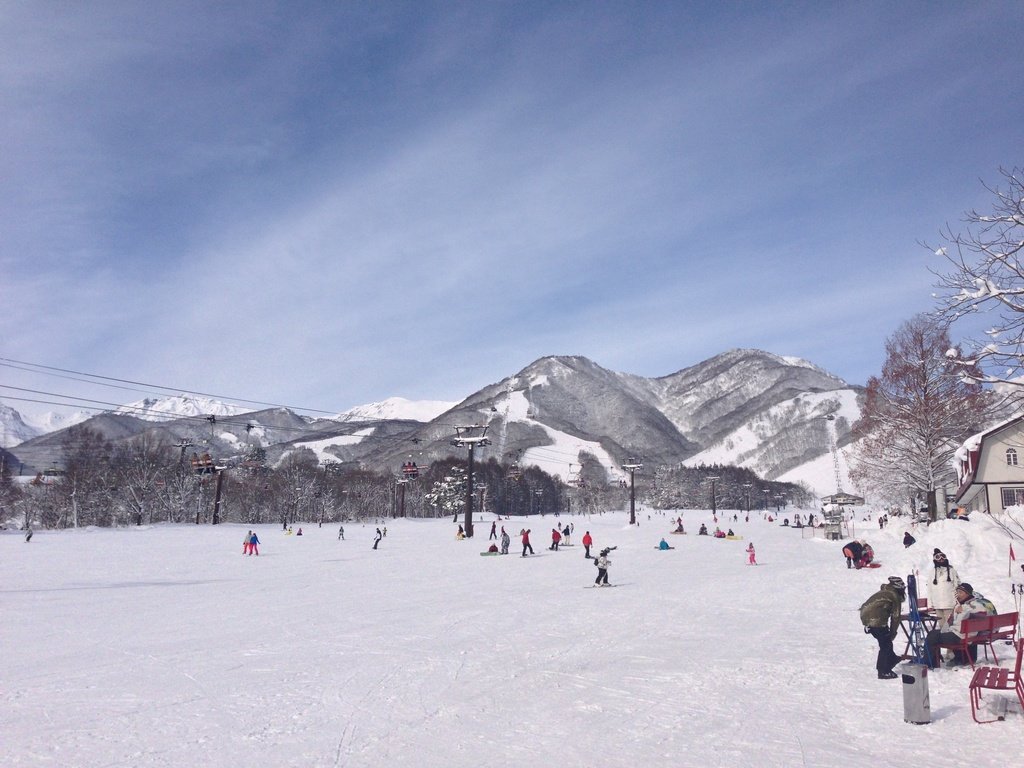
[556, 538]
[526, 541]
[587, 543]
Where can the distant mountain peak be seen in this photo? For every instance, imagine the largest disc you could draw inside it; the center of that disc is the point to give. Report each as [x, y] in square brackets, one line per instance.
[178, 406]
[399, 409]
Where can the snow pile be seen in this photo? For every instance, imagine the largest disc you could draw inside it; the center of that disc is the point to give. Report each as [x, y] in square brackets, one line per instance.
[165, 646]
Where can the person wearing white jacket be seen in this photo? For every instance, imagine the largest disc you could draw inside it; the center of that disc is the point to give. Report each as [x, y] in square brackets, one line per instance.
[942, 580]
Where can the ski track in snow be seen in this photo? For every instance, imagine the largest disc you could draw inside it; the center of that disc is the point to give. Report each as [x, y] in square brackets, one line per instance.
[164, 646]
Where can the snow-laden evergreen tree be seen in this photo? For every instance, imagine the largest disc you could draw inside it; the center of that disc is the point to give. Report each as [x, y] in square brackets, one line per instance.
[915, 416]
[448, 495]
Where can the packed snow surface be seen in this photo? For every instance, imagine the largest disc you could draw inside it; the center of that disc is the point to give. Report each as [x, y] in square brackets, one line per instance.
[166, 646]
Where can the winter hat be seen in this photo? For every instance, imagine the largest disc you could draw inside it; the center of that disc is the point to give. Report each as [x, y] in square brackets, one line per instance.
[897, 582]
[966, 588]
[936, 551]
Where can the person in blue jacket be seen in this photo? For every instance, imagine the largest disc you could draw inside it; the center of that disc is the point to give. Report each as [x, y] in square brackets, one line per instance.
[664, 545]
[254, 544]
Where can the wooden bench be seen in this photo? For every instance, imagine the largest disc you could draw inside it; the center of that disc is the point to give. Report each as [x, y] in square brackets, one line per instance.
[997, 679]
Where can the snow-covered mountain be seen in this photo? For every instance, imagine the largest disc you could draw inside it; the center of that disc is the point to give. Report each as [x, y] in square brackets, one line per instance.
[397, 409]
[744, 407]
[16, 428]
[182, 405]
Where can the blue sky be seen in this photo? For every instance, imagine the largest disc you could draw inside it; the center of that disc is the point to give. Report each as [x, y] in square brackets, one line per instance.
[326, 204]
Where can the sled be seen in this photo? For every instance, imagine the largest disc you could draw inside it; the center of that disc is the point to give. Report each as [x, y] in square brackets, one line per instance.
[678, 533]
[734, 538]
[873, 565]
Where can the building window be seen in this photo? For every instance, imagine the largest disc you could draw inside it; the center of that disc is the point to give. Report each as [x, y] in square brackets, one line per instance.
[1011, 457]
[1012, 497]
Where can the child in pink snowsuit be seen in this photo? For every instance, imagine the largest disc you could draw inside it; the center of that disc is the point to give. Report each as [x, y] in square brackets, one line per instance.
[752, 559]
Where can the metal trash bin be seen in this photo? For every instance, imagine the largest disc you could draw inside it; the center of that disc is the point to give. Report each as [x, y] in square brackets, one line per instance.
[917, 708]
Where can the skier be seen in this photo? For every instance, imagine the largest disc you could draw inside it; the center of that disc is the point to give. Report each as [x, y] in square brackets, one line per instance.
[254, 544]
[588, 541]
[751, 555]
[341, 533]
[505, 541]
[494, 531]
[377, 538]
[526, 541]
[602, 564]
[880, 615]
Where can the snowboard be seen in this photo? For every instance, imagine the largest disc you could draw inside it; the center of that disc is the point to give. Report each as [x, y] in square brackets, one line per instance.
[488, 554]
[601, 586]
[734, 538]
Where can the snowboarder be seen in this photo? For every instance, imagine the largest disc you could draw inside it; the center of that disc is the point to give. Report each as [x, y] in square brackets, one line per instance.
[588, 542]
[494, 531]
[880, 615]
[853, 551]
[28, 535]
[556, 538]
[254, 544]
[341, 533]
[526, 541]
[751, 555]
[703, 530]
[377, 538]
[299, 533]
[505, 541]
[566, 533]
[908, 540]
[664, 544]
[602, 564]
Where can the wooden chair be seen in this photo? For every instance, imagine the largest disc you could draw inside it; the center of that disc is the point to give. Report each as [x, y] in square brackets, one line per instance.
[997, 679]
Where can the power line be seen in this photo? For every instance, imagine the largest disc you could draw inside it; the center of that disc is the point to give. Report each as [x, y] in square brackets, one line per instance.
[93, 377]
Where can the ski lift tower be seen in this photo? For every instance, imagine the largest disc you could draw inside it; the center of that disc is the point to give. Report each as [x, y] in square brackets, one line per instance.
[631, 466]
[471, 437]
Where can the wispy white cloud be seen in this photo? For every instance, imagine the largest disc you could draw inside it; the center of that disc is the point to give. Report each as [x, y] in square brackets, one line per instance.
[341, 205]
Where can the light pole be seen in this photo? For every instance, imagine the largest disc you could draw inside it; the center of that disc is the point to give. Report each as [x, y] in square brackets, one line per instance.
[631, 466]
[470, 437]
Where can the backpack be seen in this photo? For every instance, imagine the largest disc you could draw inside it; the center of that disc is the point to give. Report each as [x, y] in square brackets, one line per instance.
[987, 604]
[876, 610]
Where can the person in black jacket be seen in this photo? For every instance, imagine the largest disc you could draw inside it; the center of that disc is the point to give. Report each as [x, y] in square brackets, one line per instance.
[908, 540]
[880, 615]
